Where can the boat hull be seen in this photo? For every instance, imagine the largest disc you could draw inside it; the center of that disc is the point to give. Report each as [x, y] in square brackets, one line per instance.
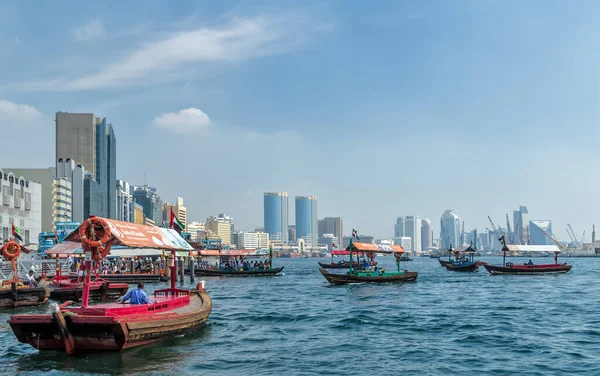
[470, 267]
[342, 279]
[111, 333]
[443, 263]
[237, 273]
[15, 296]
[528, 269]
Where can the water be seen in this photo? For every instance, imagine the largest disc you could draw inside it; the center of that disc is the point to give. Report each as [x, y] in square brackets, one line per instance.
[296, 324]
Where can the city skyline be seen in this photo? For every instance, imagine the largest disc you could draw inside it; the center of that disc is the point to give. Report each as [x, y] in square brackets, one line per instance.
[365, 77]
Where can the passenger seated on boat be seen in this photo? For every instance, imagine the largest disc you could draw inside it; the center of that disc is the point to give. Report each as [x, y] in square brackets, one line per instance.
[366, 264]
[267, 265]
[30, 280]
[530, 262]
[137, 296]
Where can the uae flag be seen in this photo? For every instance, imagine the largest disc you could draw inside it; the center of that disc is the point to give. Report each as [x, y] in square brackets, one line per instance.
[16, 233]
[176, 223]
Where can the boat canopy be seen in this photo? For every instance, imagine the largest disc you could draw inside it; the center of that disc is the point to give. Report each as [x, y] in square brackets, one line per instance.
[66, 249]
[340, 252]
[235, 252]
[378, 248]
[533, 248]
[134, 235]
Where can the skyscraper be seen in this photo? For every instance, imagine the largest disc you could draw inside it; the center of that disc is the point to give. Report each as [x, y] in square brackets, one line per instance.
[231, 222]
[450, 230]
[399, 227]
[151, 201]
[307, 219]
[276, 216]
[537, 229]
[412, 228]
[426, 234]
[332, 225]
[91, 142]
[75, 174]
[124, 201]
[521, 226]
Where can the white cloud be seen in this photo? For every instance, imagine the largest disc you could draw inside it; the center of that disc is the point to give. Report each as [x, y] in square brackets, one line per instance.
[90, 31]
[10, 111]
[184, 121]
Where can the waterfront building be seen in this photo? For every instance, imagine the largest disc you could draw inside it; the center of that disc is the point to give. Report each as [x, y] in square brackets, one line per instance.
[251, 240]
[362, 239]
[535, 232]
[21, 206]
[332, 225]
[193, 228]
[91, 141]
[306, 219]
[219, 227]
[56, 195]
[276, 216]
[450, 230]
[151, 201]
[125, 201]
[291, 234]
[412, 229]
[138, 213]
[330, 240]
[231, 222]
[521, 226]
[426, 234]
[406, 242]
[75, 173]
[178, 209]
[65, 228]
[399, 227]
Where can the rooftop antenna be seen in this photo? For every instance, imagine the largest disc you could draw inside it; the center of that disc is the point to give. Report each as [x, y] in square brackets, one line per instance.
[144, 178]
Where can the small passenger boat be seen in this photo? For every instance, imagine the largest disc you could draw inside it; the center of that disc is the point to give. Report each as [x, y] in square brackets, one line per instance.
[14, 293]
[112, 326]
[372, 274]
[528, 268]
[228, 263]
[343, 264]
[463, 260]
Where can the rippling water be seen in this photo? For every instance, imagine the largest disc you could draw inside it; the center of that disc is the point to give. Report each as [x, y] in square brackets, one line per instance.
[445, 323]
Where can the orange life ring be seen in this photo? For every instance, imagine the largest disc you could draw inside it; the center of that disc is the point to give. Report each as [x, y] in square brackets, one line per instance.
[94, 223]
[11, 245]
[99, 253]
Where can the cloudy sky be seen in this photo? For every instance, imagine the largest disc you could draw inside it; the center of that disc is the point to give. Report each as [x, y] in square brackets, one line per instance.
[381, 109]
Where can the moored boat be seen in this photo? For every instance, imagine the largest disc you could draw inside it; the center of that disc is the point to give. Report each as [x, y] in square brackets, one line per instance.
[233, 263]
[463, 260]
[14, 293]
[371, 274]
[111, 326]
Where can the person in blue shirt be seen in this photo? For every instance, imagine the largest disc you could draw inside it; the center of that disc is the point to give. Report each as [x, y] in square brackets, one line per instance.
[137, 296]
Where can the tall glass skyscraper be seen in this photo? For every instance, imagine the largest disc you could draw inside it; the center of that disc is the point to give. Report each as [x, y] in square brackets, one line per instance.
[276, 216]
[307, 221]
[450, 231]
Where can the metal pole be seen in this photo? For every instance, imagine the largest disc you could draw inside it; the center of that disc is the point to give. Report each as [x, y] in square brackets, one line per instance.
[86, 277]
[172, 269]
[181, 270]
[192, 271]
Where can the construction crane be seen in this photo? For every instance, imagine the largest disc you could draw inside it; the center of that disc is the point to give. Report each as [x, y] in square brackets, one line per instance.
[572, 239]
[497, 230]
[508, 231]
[577, 244]
[582, 238]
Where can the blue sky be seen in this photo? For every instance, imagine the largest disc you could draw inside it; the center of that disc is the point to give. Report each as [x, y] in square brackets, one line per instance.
[381, 109]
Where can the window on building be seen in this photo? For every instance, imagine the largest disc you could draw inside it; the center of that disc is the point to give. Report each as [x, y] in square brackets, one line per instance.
[22, 223]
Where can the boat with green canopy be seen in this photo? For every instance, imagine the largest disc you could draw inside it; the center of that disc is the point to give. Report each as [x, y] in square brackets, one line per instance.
[233, 262]
[371, 274]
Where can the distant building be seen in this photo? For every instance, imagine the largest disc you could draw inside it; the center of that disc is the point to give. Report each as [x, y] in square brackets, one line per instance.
[178, 209]
[148, 221]
[307, 219]
[21, 206]
[219, 227]
[330, 240]
[362, 239]
[251, 240]
[56, 195]
[412, 229]
[231, 222]
[426, 234]
[138, 213]
[399, 227]
[276, 216]
[151, 201]
[332, 225]
[535, 232]
[406, 242]
[521, 226]
[193, 228]
[450, 230]
[291, 234]
[125, 201]
[75, 174]
[91, 142]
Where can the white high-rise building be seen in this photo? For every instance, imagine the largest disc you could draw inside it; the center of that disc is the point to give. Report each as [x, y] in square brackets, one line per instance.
[252, 240]
[521, 226]
[450, 230]
[193, 228]
[399, 227]
[21, 205]
[124, 201]
[412, 229]
[426, 234]
[405, 242]
[75, 174]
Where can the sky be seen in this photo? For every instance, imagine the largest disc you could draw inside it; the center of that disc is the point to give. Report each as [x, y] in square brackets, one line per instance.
[381, 109]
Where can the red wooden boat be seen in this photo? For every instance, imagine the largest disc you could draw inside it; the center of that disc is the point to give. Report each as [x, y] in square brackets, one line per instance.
[14, 293]
[113, 326]
[528, 268]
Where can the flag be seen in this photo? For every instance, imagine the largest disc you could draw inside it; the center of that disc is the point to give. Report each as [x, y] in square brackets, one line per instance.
[355, 234]
[332, 245]
[176, 223]
[16, 233]
[501, 240]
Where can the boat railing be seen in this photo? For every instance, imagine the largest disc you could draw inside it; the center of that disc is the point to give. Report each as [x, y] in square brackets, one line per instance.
[24, 265]
[171, 293]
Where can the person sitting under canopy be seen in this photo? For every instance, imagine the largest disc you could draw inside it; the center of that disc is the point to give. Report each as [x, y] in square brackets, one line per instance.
[137, 296]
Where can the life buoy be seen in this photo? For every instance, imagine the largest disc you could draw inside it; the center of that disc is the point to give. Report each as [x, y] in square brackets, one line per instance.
[91, 226]
[11, 250]
[99, 253]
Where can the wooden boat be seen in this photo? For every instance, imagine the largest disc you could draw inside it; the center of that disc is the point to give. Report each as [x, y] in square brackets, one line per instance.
[405, 258]
[463, 260]
[356, 265]
[232, 256]
[112, 326]
[14, 293]
[529, 268]
[342, 265]
[372, 274]
[100, 290]
[443, 262]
